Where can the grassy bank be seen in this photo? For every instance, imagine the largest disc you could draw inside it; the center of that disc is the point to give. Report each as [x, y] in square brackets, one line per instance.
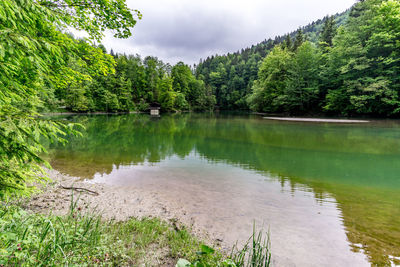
[29, 239]
[86, 239]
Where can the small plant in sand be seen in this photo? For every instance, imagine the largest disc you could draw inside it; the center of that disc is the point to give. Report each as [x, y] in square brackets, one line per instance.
[255, 253]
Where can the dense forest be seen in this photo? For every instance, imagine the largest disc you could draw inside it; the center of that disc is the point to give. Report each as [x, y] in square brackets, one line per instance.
[349, 69]
[133, 85]
[346, 64]
[232, 76]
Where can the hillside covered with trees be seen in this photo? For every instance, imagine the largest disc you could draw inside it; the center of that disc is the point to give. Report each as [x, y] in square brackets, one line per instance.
[350, 69]
[353, 70]
[232, 76]
[346, 65]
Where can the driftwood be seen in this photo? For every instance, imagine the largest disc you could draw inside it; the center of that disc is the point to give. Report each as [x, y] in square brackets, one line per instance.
[79, 189]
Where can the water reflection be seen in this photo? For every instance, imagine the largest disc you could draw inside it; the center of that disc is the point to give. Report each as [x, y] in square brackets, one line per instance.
[354, 165]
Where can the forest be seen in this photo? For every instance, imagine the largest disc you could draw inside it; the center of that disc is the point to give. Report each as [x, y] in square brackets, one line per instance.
[133, 85]
[341, 65]
[346, 65]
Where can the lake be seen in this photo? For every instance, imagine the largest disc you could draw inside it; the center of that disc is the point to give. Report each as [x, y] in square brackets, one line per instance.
[329, 193]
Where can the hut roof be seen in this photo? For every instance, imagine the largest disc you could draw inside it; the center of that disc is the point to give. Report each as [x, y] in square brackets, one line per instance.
[155, 105]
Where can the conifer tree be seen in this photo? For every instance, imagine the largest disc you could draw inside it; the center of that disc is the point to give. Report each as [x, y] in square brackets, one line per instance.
[288, 42]
[298, 40]
[328, 32]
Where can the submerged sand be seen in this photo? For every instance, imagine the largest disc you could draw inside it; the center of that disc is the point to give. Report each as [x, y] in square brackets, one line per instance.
[316, 120]
[114, 202]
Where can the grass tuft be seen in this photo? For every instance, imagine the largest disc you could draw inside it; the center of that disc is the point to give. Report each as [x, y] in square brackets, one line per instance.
[255, 253]
[78, 238]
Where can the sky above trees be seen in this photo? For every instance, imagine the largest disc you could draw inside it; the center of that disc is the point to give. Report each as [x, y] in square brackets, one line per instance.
[183, 30]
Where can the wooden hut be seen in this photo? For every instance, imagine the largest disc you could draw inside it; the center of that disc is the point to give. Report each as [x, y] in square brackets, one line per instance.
[155, 109]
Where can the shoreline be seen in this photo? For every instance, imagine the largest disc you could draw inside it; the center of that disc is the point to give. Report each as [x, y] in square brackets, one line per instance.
[316, 120]
[116, 203]
[270, 116]
[90, 113]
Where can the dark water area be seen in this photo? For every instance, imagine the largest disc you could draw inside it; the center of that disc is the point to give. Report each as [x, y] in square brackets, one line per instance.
[330, 193]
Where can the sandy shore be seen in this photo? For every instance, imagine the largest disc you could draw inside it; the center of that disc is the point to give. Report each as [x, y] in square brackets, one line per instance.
[114, 202]
[315, 120]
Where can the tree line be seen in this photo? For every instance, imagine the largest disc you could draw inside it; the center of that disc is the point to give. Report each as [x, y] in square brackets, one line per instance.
[135, 84]
[350, 69]
[353, 70]
[231, 76]
[346, 64]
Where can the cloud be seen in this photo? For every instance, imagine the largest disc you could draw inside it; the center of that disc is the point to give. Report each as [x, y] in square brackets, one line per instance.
[187, 30]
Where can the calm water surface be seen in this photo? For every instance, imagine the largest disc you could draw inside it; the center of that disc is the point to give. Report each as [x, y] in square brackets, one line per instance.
[330, 193]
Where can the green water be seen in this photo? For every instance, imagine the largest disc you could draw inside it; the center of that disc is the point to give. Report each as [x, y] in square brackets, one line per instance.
[351, 171]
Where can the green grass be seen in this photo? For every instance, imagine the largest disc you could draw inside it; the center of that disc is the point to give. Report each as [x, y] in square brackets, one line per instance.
[85, 239]
[255, 253]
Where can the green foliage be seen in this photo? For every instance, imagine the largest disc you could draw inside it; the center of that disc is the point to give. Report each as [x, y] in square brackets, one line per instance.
[84, 238]
[231, 77]
[301, 92]
[255, 253]
[355, 72]
[287, 43]
[36, 62]
[205, 258]
[134, 85]
[298, 41]
[34, 239]
[271, 84]
[364, 61]
[328, 32]
[167, 95]
[95, 16]
[194, 90]
[287, 82]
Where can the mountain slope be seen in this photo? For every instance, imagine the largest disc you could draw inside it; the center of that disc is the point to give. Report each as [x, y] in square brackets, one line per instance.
[231, 76]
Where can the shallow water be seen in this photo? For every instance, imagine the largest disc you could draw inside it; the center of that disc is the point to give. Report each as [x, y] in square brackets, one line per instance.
[330, 193]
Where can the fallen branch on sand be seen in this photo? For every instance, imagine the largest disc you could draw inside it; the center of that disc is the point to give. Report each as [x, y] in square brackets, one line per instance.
[79, 189]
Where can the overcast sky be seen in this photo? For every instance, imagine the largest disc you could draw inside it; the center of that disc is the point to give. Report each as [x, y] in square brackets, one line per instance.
[187, 30]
